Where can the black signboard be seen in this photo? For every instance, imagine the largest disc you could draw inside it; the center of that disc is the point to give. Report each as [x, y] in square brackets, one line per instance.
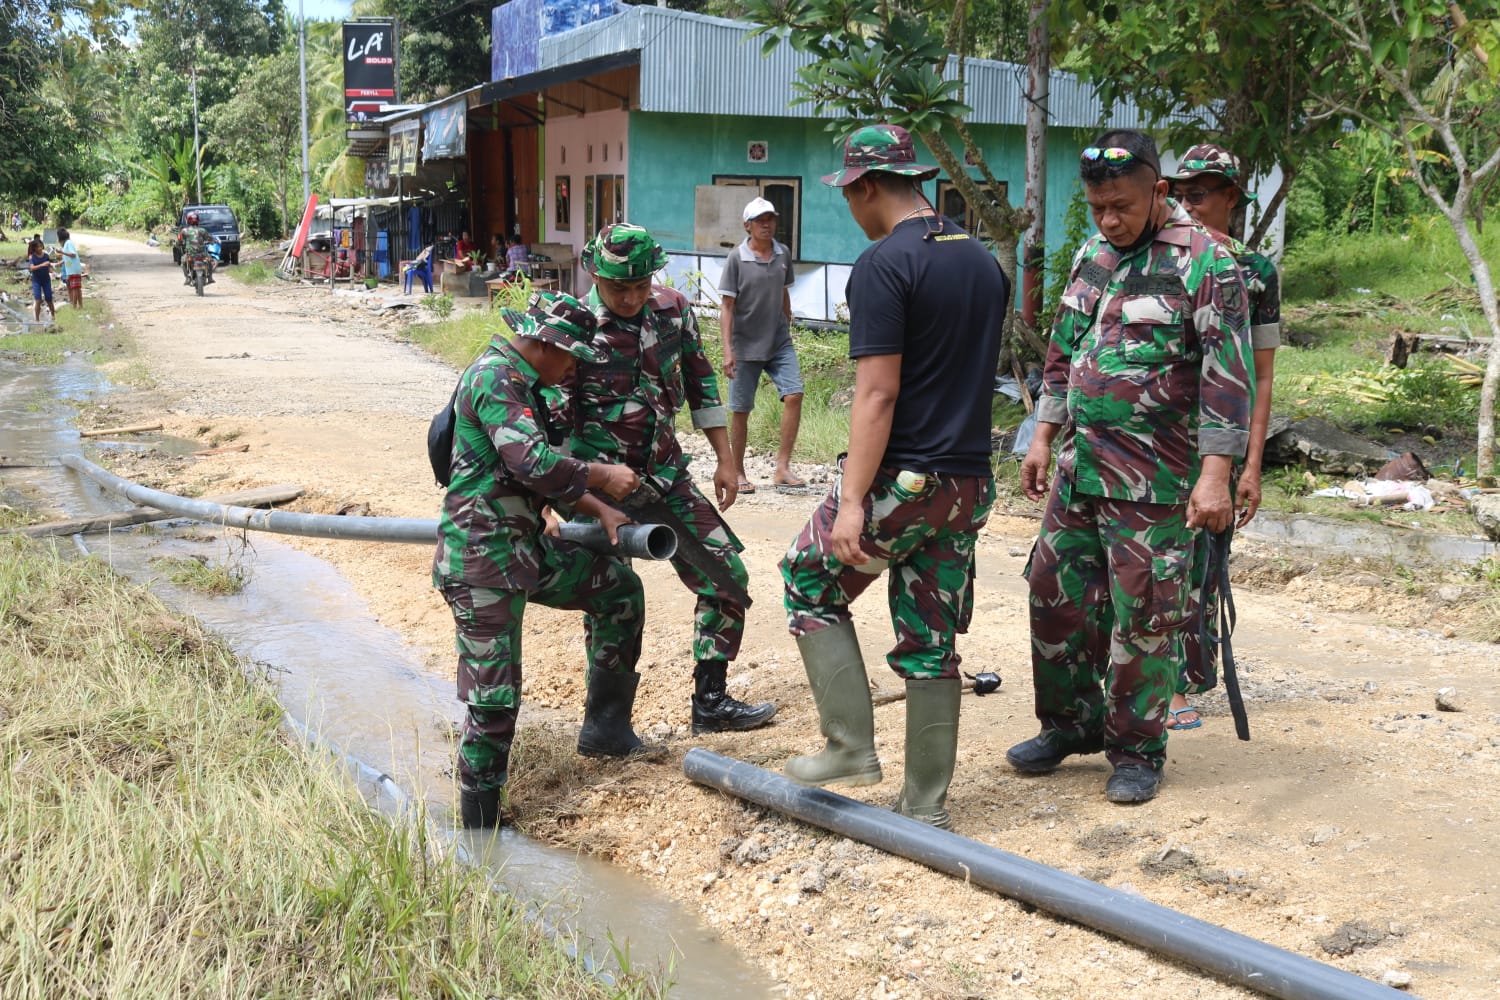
[369, 69]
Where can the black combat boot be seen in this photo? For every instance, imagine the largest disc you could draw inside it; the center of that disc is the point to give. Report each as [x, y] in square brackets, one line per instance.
[480, 809]
[714, 711]
[1042, 753]
[606, 729]
[1132, 783]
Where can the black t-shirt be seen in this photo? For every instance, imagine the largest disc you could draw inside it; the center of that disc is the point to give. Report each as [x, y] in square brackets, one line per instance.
[939, 302]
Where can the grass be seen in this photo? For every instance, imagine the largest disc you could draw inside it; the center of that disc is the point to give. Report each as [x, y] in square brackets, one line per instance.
[201, 576]
[1345, 297]
[77, 331]
[159, 835]
[254, 273]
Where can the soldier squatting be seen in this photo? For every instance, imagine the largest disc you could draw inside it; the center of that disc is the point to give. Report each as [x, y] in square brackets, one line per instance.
[1148, 389]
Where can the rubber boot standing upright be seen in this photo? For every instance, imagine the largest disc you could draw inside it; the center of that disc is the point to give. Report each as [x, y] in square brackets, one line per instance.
[841, 689]
[932, 707]
[607, 708]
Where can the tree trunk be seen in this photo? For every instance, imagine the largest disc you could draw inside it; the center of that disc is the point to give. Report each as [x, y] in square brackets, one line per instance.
[1268, 217]
[1485, 444]
[1038, 60]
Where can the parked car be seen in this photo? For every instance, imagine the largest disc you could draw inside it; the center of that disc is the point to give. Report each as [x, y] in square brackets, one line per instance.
[217, 219]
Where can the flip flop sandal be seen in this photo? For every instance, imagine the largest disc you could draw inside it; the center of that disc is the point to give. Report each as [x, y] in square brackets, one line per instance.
[745, 488]
[1177, 724]
[800, 486]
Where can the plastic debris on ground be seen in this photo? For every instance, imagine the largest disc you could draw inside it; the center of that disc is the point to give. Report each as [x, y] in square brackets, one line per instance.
[1383, 493]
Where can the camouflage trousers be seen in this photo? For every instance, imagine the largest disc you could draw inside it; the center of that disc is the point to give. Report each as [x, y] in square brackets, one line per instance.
[925, 537]
[718, 619]
[488, 639]
[1109, 596]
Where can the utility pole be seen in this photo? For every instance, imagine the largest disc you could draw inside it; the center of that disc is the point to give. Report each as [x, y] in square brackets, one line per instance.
[1038, 80]
[302, 72]
[197, 156]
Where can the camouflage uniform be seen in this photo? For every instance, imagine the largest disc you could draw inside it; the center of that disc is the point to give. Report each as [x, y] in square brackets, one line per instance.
[1263, 288]
[195, 240]
[624, 410]
[925, 537]
[492, 557]
[1149, 368]
[929, 295]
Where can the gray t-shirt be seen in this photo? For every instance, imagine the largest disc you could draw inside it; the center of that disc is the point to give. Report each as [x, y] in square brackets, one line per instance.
[760, 326]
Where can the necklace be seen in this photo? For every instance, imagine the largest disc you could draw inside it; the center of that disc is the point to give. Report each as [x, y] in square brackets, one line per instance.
[914, 212]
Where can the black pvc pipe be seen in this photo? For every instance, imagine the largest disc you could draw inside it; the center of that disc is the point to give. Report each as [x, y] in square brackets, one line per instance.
[639, 541]
[1232, 957]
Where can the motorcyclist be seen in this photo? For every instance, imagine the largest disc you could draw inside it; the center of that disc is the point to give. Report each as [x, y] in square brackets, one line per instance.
[195, 240]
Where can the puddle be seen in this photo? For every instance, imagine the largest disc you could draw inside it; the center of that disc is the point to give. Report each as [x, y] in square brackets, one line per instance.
[357, 685]
[1406, 547]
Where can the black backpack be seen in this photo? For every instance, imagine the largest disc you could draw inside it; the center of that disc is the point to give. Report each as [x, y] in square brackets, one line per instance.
[440, 440]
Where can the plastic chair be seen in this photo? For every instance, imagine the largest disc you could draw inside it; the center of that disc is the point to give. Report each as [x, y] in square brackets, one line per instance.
[420, 268]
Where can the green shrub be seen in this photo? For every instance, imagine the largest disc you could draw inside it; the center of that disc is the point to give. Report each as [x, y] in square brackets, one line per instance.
[441, 305]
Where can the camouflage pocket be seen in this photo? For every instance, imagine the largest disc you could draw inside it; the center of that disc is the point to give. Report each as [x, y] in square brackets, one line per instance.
[1167, 604]
[1151, 330]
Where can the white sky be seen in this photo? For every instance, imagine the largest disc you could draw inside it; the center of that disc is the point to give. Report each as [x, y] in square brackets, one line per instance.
[320, 10]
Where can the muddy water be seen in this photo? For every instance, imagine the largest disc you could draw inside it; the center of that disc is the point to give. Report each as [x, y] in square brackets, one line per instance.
[353, 681]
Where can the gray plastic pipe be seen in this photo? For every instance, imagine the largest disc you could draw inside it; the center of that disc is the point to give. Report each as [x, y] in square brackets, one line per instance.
[1232, 957]
[640, 541]
[415, 530]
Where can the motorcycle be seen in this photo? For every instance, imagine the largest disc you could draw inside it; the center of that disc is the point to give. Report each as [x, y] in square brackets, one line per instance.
[200, 266]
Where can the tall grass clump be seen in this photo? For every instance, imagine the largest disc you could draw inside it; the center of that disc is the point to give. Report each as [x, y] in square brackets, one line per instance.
[160, 836]
[459, 339]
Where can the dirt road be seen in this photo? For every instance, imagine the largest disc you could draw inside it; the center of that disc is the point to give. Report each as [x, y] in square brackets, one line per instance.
[1359, 827]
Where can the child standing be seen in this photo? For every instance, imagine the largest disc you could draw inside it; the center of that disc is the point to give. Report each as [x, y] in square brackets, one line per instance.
[40, 266]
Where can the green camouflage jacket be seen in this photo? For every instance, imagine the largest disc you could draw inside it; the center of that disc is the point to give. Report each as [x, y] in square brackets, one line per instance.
[1263, 285]
[504, 471]
[1149, 365]
[624, 410]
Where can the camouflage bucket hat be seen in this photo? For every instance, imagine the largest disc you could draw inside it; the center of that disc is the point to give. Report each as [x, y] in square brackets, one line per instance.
[879, 147]
[623, 252]
[560, 320]
[1209, 158]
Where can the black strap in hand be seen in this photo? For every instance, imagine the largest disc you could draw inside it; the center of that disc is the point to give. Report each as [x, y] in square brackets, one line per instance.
[1216, 624]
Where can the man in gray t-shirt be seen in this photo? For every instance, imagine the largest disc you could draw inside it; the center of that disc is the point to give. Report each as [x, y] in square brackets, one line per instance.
[755, 321]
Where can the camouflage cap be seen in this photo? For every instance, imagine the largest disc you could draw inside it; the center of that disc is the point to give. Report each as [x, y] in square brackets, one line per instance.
[879, 147]
[1210, 158]
[560, 320]
[623, 252]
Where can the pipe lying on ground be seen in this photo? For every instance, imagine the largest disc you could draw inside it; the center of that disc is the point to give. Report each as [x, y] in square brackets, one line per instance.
[414, 530]
[1230, 956]
[640, 541]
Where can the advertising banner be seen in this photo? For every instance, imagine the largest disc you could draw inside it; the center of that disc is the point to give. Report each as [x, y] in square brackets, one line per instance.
[369, 69]
[444, 131]
[401, 161]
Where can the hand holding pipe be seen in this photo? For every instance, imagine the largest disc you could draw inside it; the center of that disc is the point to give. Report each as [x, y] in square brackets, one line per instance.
[639, 541]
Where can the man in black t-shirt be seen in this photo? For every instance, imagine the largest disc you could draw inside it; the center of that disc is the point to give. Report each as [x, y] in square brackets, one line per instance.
[926, 304]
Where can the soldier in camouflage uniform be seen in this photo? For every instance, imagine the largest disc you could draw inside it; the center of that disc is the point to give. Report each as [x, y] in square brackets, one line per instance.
[623, 409]
[1207, 185]
[1148, 376]
[195, 240]
[493, 555]
[926, 305]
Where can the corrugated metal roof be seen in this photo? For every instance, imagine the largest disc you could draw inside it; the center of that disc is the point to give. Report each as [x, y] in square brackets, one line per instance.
[696, 64]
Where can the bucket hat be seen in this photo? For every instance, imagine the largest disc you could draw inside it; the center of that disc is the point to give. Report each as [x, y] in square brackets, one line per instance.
[879, 147]
[623, 252]
[558, 319]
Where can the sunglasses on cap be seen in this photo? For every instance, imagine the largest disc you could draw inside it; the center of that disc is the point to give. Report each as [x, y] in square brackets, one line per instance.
[1109, 154]
[1195, 196]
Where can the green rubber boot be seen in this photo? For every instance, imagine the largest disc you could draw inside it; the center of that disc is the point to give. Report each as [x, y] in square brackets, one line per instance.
[931, 749]
[836, 671]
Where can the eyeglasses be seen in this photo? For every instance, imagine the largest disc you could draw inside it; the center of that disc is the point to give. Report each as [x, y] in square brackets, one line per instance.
[1195, 196]
[1110, 154]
